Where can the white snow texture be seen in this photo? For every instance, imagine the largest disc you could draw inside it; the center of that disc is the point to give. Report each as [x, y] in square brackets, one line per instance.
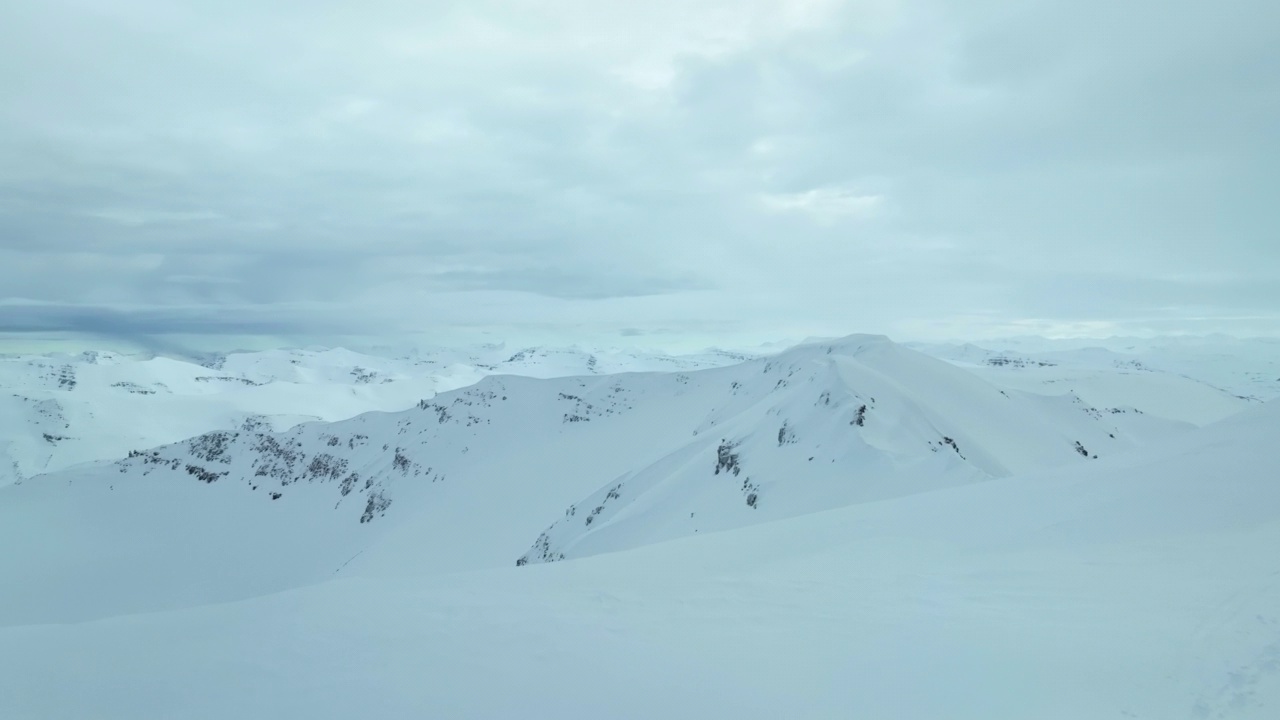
[849, 528]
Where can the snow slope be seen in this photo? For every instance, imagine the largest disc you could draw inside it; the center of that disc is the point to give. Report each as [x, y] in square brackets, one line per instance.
[573, 466]
[60, 410]
[1241, 368]
[57, 411]
[1106, 379]
[1144, 585]
[858, 420]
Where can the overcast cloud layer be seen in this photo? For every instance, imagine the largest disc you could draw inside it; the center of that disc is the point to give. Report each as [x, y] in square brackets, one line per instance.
[701, 169]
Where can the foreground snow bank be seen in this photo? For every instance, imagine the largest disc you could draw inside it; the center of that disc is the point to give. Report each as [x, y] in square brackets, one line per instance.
[1145, 586]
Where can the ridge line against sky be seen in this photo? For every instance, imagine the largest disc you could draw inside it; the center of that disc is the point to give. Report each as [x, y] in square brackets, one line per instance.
[679, 173]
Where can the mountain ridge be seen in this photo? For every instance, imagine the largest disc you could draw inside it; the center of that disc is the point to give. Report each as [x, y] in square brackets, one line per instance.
[469, 478]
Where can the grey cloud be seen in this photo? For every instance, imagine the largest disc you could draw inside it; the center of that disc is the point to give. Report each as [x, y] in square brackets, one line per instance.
[105, 321]
[559, 283]
[1037, 160]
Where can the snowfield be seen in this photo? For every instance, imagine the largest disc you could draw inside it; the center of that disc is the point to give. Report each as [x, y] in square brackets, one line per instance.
[846, 529]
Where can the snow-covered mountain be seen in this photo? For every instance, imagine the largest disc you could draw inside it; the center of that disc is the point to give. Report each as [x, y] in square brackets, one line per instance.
[572, 466]
[1231, 372]
[828, 425]
[1001, 574]
[57, 411]
[60, 410]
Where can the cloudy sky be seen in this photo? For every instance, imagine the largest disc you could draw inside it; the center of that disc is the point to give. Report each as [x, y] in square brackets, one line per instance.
[662, 171]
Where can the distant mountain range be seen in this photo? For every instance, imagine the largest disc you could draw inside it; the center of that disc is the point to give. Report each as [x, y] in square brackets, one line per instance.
[60, 410]
[526, 470]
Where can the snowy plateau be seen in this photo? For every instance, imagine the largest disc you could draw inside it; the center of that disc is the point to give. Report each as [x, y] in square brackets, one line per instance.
[849, 528]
